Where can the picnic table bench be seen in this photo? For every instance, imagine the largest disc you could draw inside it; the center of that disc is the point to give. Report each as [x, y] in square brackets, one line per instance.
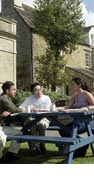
[72, 142]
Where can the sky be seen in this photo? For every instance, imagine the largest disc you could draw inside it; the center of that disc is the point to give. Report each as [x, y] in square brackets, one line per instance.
[89, 4]
[87, 10]
[29, 2]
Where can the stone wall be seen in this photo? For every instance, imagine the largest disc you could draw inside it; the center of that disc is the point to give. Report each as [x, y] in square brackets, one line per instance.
[77, 57]
[29, 45]
[87, 79]
[77, 60]
[24, 54]
[93, 58]
[7, 51]
[24, 43]
[38, 49]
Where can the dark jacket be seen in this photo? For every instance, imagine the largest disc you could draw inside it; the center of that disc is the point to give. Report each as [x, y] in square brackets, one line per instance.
[6, 104]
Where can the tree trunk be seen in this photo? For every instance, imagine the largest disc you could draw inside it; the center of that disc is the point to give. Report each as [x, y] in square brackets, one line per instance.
[53, 87]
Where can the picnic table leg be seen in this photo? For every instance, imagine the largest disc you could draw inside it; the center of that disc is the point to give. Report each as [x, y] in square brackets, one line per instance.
[89, 131]
[56, 122]
[70, 154]
[28, 124]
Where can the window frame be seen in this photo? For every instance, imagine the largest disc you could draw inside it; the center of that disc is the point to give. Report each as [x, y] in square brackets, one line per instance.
[92, 39]
[88, 61]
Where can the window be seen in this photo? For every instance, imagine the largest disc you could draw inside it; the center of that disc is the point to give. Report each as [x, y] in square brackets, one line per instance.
[92, 39]
[88, 59]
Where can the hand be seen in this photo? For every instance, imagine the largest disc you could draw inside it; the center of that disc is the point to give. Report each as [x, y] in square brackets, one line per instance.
[23, 109]
[60, 108]
[5, 114]
[34, 109]
[84, 108]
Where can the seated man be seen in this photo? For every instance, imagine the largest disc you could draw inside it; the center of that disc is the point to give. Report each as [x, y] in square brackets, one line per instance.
[38, 102]
[7, 105]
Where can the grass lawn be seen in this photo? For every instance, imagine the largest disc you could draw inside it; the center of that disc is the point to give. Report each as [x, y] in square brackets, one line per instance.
[51, 157]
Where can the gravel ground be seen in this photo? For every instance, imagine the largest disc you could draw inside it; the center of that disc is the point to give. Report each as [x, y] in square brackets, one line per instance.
[52, 133]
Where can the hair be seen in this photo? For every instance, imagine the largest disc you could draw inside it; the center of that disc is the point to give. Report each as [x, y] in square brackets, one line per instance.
[80, 81]
[33, 85]
[7, 85]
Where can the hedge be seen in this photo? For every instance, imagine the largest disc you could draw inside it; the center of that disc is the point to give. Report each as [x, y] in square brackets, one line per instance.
[56, 97]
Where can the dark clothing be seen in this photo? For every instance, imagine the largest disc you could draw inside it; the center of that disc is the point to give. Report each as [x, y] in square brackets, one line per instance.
[6, 104]
[81, 129]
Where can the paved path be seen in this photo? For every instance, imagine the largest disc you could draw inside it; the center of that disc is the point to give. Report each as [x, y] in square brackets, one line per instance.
[52, 133]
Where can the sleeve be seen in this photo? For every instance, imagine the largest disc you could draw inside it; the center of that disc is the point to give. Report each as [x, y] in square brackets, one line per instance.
[25, 103]
[48, 103]
[9, 106]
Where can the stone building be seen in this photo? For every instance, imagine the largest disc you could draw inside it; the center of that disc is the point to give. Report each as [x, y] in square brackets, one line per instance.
[81, 62]
[29, 44]
[7, 51]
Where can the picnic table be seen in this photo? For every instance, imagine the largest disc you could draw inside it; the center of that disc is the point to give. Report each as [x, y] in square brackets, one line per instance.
[73, 142]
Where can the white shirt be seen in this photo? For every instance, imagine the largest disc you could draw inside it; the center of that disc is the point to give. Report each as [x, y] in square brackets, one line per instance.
[40, 103]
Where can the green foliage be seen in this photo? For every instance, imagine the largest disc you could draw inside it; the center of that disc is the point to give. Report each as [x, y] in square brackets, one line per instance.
[56, 96]
[21, 96]
[50, 71]
[60, 22]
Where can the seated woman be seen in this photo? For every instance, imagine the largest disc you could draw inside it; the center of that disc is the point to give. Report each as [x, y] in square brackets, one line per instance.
[82, 99]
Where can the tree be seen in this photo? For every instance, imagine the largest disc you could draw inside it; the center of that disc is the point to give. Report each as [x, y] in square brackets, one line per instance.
[60, 23]
[51, 72]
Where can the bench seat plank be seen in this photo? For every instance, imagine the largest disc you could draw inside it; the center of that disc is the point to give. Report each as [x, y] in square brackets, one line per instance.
[57, 140]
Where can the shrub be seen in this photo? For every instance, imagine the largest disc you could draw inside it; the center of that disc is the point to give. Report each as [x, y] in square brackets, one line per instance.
[20, 97]
[56, 97]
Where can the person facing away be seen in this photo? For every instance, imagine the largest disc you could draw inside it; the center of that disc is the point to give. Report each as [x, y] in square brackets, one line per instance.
[39, 102]
[82, 99]
[6, 108]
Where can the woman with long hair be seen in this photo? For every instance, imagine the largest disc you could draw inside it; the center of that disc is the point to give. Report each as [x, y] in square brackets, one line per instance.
[81, 100]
